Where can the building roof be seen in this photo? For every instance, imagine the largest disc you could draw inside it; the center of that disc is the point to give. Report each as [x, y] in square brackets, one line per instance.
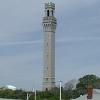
[96, 95]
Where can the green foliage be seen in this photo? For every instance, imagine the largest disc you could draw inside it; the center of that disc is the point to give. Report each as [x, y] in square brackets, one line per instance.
[53, 94]
[7, 93]
[88, 79]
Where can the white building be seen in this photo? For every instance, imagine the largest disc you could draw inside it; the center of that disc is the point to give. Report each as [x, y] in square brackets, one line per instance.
[96, 96]
[11, 87]
[49, 27]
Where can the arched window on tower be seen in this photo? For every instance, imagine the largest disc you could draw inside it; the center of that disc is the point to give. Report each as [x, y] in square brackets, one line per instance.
[52, 12]
[46, 89]
[48, 13]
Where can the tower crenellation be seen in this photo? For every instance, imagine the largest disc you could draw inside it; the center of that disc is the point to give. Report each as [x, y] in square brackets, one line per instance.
[50, 6]
[49, 21]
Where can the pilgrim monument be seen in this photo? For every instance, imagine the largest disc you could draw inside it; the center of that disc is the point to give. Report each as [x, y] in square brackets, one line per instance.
[49, 27]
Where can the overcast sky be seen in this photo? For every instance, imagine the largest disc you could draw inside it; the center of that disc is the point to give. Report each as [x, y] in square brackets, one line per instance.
[21, 41]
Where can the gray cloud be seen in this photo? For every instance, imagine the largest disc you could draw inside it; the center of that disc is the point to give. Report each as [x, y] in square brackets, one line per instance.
[20, 43]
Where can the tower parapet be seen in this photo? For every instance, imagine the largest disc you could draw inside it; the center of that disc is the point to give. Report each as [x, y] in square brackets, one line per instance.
[49, 21]
[50, 5]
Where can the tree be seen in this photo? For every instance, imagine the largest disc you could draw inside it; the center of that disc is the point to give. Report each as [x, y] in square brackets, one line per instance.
[87, 80]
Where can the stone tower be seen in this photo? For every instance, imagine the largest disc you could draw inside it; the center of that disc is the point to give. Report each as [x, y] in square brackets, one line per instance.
[49, 27]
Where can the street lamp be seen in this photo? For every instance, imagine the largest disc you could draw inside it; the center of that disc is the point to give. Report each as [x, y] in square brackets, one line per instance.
[60, 83]
[35, 94]
[28, 95]
[34, 90]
